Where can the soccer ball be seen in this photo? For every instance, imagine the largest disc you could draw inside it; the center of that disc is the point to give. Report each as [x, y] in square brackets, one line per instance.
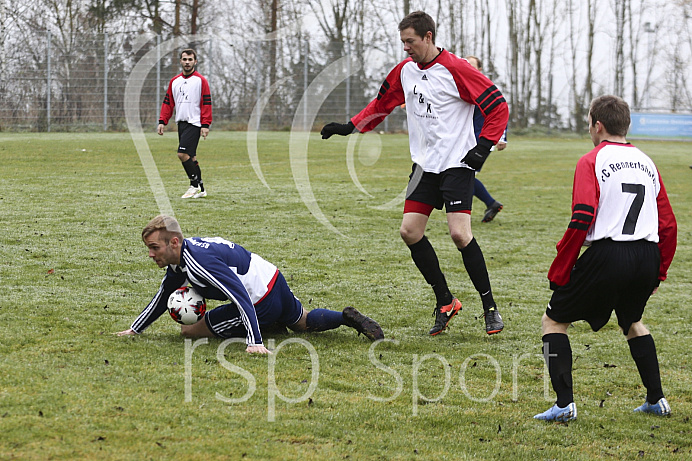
[186, 306]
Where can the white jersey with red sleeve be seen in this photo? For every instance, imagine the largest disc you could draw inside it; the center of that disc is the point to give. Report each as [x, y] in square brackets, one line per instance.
[618, 195]
[191, 98]
[440, 97]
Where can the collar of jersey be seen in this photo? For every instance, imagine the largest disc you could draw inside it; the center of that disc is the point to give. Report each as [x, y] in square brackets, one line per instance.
[429, 64]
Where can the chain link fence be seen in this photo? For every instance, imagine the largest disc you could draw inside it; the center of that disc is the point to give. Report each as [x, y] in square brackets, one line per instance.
[82, 87]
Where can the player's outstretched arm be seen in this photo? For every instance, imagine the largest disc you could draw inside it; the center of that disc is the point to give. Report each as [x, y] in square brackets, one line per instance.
[343, 129]
[257, 350]
[129, 332]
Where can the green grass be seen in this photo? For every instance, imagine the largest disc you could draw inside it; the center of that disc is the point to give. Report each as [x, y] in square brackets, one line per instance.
[74, 271]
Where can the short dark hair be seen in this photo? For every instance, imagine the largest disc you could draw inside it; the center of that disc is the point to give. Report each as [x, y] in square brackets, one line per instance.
[421, 23]
[613, 113]
[189, 51]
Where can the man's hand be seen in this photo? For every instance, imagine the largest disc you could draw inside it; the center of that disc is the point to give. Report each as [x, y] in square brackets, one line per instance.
[159, 129]
[478, 155]
[204, 132]
[501, 145]
[343, 129]
[129, 332]
[257, 350]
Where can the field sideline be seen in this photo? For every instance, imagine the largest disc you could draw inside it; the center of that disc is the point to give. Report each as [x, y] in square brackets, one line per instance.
[74, 271]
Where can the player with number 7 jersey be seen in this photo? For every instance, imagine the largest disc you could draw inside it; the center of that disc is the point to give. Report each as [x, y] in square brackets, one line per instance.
[620, 209]
[618, 195]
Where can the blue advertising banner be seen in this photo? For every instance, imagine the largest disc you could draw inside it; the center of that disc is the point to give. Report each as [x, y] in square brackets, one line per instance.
[661, 125]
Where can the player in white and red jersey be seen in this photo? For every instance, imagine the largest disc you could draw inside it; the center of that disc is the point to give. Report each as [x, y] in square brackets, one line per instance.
[188, 92]
[620, 210]
[440, 91]
[219, 269]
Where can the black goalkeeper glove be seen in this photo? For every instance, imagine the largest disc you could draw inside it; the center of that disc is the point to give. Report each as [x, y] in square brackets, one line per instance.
[343, 129]
[478, 155]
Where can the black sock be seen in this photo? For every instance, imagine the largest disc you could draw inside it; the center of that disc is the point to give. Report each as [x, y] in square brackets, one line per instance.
[198, 172]
[191, 171]
[474, 262]
[558, 355]
[424, 256]
[643, 352]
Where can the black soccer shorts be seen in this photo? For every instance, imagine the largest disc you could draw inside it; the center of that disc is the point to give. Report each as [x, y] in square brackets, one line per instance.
[609, 276]
[188, 138]
[452, 188]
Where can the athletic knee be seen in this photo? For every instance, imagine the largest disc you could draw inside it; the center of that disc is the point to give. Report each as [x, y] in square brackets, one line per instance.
[410, 235]
[461, 237]
[549, 325]
[637, 329]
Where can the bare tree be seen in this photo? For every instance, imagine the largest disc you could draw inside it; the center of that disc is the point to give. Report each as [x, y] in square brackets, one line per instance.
[581, 89]
[678, 58]
[522, 24]
[684, 50]
[343, 23]
[620, 8]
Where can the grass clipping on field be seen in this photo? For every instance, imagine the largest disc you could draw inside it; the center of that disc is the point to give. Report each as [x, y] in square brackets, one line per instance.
[75, 271]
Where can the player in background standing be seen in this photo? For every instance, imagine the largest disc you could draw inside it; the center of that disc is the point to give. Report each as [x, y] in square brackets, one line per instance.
[219, 269]
[440, 91]
[620, 209]
[493, 207]
[188, 92]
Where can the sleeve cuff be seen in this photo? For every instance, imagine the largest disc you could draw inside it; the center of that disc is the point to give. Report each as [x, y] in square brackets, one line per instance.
[486, 144]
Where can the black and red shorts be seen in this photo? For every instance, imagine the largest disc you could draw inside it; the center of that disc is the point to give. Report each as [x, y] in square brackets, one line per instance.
[452, 188]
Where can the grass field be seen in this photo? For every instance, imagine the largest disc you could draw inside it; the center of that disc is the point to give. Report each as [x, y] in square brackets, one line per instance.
[74, 271]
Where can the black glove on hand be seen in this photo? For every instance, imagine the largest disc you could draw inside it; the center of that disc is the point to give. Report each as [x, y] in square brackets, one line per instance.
[343, 129]
[477, 156]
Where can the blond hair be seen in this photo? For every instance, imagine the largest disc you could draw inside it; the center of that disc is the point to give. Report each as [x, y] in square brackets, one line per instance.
[168, 226]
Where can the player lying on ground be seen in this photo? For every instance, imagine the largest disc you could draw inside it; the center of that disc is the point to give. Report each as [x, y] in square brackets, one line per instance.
[620, 210]
[219, 269]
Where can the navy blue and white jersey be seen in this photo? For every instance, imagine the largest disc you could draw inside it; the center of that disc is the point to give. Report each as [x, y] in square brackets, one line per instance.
[217, 269]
